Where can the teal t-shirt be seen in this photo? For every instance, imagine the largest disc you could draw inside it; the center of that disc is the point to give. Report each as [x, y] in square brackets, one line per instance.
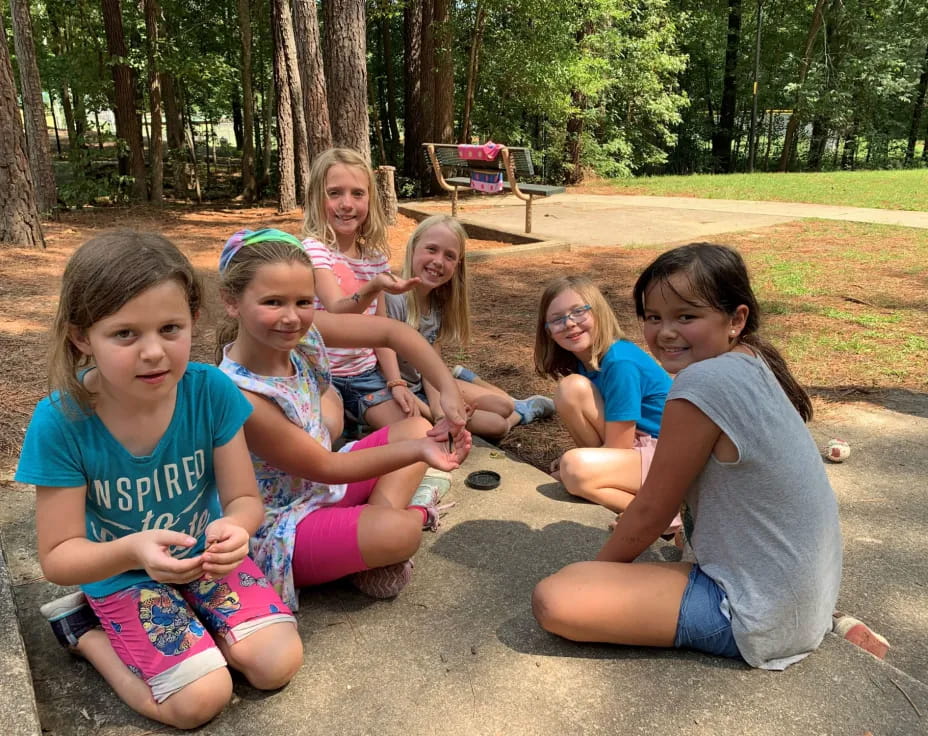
[633, 386]
[172, 488]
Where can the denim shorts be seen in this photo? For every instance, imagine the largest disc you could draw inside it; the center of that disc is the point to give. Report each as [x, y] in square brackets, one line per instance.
[703, 625]
[361, 392]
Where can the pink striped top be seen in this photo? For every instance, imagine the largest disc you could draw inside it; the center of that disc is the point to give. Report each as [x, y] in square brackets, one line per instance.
[350, 273]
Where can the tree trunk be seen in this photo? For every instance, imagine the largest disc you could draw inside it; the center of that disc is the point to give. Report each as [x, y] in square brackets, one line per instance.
[575, 138]
[917, 112]
[473, 65]
[312, 75]
[817, 143]
[789, 140]
[249, 185]
[237, 123]
[724, 132]
[40, 160]
[127, 119]
[413, 159]
[155, 145]
[282, 25]
[177, 140]
[387, 36]
[443, 89]
[19, 217]
[345, 57]
[286, 196]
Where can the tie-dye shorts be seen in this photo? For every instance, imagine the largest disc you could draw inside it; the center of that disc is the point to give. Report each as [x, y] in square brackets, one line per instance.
[164, 633]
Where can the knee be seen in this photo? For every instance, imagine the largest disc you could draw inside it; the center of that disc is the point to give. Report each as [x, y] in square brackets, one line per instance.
[270, 657]
[547, 605]
[411, 428]
[572, 471]
[400, 534]
[490, 424]
[200, 701]
[570, 390]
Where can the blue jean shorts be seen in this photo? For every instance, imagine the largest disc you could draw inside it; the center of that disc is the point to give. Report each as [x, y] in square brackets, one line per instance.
[703, 624]
[361, 392]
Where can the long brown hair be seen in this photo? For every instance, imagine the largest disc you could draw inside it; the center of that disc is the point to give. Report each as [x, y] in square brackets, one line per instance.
[717, 275]
[372, 237]
[450, 299]
[553, 361]
[101, 276]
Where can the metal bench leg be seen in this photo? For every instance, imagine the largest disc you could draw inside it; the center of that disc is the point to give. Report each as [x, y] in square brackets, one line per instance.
[454, 202]
[528, 214]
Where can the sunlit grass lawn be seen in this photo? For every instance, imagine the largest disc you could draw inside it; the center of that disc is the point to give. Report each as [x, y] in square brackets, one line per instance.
[895, 190]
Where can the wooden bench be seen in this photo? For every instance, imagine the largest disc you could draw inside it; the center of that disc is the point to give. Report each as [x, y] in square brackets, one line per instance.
[514, 162]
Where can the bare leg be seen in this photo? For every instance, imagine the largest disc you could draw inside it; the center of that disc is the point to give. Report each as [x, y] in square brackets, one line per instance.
[580, 407]
[395, 489]
[385, 414]
[387, 535]
[615, 602]
[602, 475]
[478, 381]
[191, 706]
[333, 413]
[269, 658]
[494, 412]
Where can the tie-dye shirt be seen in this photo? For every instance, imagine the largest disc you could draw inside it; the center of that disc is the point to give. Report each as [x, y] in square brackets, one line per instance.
[289, 499]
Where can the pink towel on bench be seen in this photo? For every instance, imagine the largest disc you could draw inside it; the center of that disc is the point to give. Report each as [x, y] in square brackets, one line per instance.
[479, 151]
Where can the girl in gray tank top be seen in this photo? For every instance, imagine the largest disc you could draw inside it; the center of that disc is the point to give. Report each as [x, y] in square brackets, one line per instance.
[761, 516]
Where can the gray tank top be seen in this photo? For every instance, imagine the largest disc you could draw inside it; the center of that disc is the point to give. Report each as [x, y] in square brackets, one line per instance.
[765, 527]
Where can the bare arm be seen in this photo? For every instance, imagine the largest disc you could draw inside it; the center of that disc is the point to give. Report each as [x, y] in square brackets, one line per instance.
[390, 368]
[67, 557]
[286, 446]
[687, 440]
[619, 435]
[370, 331]
[337, 302]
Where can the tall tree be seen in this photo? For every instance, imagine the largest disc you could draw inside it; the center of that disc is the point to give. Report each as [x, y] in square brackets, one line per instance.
[312, 75]
[724, 131]
[40, 160]
[281, 25]
[249, 183]
[414, 165]
[443, 76]
[128, 126]
[345, 57]
[792, 127]
[19, 217]
[155, 145]
[473, 66]
[917, 111]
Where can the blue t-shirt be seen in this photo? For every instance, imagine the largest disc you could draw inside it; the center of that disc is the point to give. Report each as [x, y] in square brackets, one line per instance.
[172, 488]
[633, 386]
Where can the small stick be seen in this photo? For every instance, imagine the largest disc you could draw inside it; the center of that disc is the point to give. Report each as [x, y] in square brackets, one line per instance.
[906, 695]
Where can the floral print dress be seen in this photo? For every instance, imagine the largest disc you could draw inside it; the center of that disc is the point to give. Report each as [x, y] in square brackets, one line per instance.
[289, 499]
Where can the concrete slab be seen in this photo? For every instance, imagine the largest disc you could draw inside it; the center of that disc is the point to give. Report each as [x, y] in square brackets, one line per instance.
[459, 652]
[609, 220]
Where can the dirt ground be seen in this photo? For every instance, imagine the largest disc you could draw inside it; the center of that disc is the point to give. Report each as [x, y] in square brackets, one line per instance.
[504, 294]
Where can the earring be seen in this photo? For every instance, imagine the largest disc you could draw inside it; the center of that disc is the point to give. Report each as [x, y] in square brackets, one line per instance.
[733, 332]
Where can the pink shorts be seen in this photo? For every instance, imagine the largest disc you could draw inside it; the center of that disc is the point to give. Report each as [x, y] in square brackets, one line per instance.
[326, 546]
[164, 633]
[645, 445]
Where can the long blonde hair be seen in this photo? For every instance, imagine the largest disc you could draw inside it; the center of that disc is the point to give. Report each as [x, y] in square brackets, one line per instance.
[372, 237]
[553, 361]
[450, 300]
[101, 277]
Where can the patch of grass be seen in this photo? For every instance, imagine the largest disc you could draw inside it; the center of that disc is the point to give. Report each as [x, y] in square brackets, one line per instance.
[915, 344]
[787, 277]
[864, 320]
[894, 190]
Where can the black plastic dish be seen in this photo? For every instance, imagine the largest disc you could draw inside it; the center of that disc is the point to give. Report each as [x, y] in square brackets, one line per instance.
[483, 480]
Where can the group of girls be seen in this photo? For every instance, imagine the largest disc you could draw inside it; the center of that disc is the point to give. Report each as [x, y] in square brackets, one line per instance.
[157, 476]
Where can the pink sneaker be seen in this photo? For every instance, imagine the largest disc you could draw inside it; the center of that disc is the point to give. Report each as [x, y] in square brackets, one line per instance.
[384, 582]
[858, 633]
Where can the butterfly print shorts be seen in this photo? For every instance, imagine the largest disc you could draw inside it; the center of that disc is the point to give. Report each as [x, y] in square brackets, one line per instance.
[164, 633]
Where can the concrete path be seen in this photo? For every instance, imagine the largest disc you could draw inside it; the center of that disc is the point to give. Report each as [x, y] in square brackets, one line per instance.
[459, 652]
[607, 220]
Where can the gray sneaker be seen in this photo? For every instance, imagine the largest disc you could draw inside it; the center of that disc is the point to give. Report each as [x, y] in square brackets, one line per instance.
[534, 407]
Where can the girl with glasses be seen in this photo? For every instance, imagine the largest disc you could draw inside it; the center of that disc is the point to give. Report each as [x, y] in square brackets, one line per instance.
[610, 394]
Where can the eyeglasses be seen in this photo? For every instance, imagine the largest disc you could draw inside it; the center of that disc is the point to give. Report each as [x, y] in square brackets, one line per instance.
[578, 316]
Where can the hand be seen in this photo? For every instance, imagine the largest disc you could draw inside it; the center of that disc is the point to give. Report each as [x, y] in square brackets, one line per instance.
[153, 554]
[454, 410]
[392, 285]
[226, 547]
[407, 400]
[445, 430]
[436, 452]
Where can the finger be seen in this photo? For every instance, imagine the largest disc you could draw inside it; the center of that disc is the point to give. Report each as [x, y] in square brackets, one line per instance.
[223, 559]
[167, 538]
